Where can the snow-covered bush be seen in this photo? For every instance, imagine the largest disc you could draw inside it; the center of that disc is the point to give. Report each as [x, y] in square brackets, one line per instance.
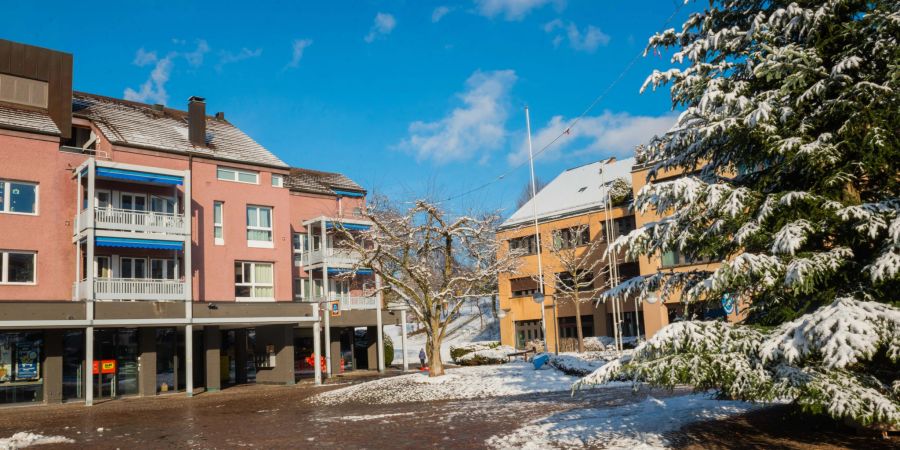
[480, 353]
[578, 365]
[789, 150]
[607, 343]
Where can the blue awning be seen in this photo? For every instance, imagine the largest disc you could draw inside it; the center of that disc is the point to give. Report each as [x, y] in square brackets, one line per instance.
[143, 177]
[347, 226]
[335, 271]
[157, 244]
[348, 193]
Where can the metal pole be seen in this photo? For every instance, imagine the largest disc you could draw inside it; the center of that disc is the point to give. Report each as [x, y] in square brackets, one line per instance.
[317, 342]
[537, 231]
[403, 339]
[379, 326]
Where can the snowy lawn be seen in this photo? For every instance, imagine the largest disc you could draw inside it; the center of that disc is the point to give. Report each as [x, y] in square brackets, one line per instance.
[24, 439]
[462, 383]
[639, 425]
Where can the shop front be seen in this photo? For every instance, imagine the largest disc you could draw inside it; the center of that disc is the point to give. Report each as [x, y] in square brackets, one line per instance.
[21, 371]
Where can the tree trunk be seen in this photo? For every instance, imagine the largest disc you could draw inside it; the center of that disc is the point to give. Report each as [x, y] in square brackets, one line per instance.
[578, 324]
[435, 364]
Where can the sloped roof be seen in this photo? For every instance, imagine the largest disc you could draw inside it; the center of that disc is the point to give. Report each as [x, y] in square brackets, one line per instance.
[131, 123]
[27, 120]
[574, 191]
[317, 182]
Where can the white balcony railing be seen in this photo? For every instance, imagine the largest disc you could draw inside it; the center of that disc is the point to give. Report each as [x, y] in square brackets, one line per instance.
[129, 220]
[348, 303]
[334, 257]
[133, 289]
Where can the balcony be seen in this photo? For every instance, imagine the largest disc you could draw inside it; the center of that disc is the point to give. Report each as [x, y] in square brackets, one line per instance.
[134, 289]
[334, 257]
[348, 303]
[131, 220]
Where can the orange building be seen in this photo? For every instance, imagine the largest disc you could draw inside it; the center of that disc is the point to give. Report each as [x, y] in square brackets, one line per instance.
[576, 199]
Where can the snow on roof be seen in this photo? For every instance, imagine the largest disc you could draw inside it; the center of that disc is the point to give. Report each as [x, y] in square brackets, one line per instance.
[575, 190]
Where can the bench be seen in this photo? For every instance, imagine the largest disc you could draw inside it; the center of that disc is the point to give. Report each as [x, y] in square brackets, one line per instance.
[523, 354]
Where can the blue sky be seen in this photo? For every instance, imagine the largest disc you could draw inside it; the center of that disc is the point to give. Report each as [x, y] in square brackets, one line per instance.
[406, 97]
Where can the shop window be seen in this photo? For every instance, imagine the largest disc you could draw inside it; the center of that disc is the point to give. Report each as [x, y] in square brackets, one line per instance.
[20, 367]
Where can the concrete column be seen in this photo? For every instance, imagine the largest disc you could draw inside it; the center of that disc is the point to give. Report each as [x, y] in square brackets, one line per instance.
[88, 366]
[379, 325]
[189, 360]
[212, 343]
[240, 356]
[327, 315]
[280, 338]
[403, 339]
[372, 350]
[53, 366]
[317, 370]
[334, 348]
[147, 361]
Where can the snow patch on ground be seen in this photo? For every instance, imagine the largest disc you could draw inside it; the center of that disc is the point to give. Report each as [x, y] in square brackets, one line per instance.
[638, 425]
[24, 439]
[368, 417]
[462, 383]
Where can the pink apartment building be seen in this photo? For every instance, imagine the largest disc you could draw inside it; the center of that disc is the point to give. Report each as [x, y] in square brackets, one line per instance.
[145, 249]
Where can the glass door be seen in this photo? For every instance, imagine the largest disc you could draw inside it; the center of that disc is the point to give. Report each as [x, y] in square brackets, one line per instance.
[73, 365]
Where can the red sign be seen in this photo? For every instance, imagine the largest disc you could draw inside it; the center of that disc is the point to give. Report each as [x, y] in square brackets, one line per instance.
[96, 370]
[108, 366]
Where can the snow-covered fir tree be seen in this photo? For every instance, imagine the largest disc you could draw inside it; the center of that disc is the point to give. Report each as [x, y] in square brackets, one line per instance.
[790, 146]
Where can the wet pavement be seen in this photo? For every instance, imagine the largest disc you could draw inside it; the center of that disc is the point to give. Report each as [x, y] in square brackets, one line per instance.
[283, 417]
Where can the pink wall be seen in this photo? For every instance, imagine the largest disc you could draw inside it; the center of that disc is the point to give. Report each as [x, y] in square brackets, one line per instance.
[214, 264]
[37, 159]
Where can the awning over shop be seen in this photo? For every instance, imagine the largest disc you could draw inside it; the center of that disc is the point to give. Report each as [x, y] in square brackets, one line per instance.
[347, 226]
[348, 193]
[335, 271]
[156, 244]
[143, 177]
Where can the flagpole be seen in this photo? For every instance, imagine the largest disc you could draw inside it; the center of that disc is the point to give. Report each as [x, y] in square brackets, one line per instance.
[537, 231]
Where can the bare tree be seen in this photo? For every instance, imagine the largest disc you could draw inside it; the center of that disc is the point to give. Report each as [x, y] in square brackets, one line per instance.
[434, 263]
[583, 271]
[526, 192]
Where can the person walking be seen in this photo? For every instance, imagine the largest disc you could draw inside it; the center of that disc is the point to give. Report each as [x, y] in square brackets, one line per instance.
[422, 359]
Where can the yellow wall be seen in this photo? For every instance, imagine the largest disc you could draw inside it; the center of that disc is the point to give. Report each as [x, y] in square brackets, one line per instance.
[656, 315]
[524, 308]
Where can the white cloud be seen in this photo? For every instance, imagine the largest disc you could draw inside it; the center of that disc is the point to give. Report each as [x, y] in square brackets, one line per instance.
[608, 133]
[478, 126]
[143, 58]
[226, 57]
[154, 89]
[512, 9]
[298, 47]
[584, 41]
[439, 13]
[195, 58]
[382, 26]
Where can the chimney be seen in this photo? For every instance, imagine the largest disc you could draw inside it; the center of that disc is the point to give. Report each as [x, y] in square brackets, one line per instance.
[220, 115]
[197, 121]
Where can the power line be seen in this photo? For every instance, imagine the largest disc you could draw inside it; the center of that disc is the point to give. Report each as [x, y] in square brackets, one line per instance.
[574, 121]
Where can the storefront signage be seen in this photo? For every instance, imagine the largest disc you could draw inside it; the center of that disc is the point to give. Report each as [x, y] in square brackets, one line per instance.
[27, 361]
[96, 369]
[335, 308]
[108, 366]
[5, 358]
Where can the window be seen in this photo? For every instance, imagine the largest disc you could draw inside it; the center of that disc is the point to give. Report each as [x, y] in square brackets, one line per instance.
[565, 282]
[300, 242]
[166, 205]
[218, 223]
[18, 197]
[623, 226]
[163, 269]
[523, 287]
[253, 281]
[301, 288]
[132, 268]
[676, 258]
[17, 267]
[526, 244]
[571, 237]
[277, 180]
[237, 175]
[23, 91]
[259, 226]
[102, 267]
